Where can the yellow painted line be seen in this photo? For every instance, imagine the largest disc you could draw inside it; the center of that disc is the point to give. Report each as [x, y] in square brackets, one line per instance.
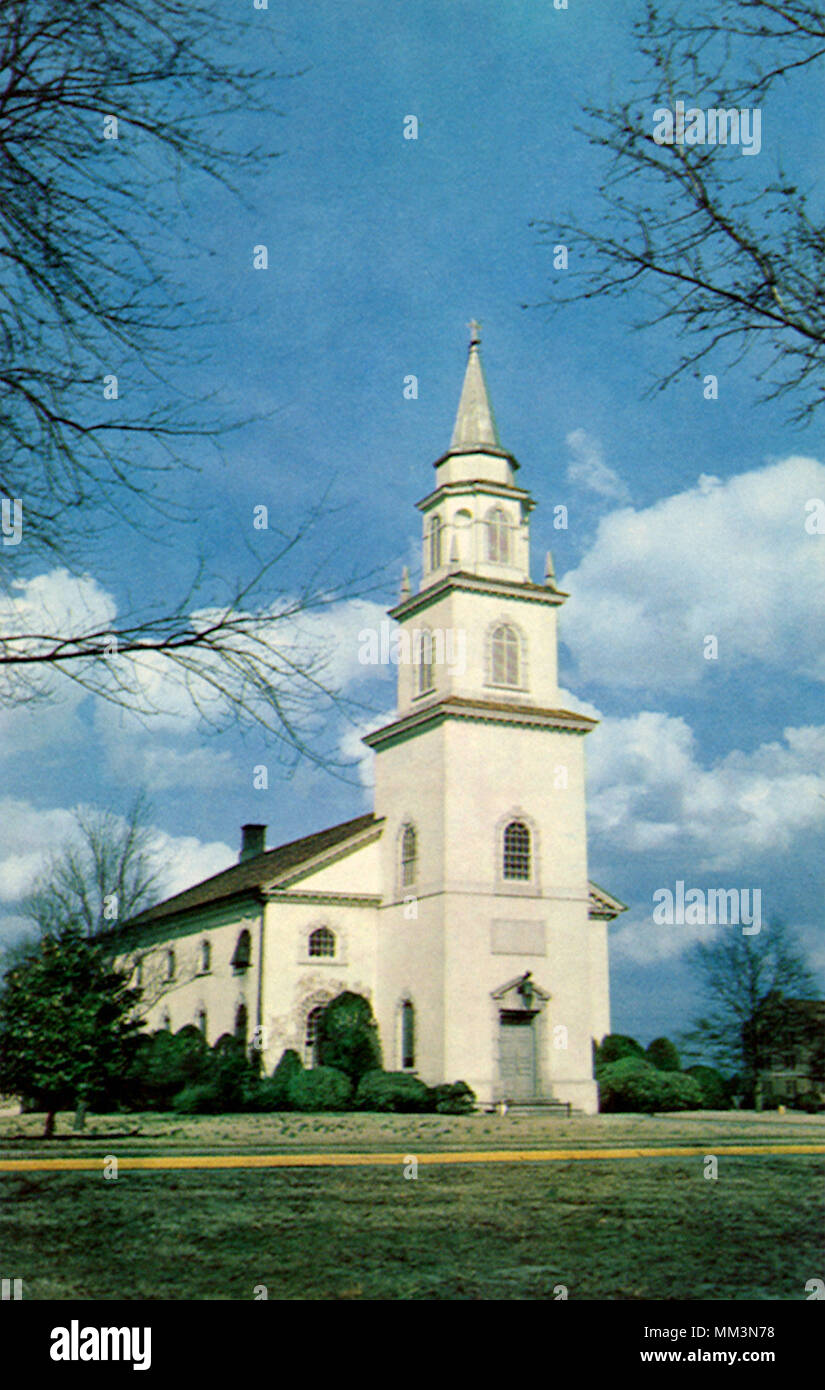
[342, 1160]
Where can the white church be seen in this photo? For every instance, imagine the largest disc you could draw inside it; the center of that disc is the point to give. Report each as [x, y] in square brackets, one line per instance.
[460, 906]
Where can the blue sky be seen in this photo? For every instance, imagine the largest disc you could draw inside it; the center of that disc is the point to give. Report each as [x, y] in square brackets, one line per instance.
[381, 249]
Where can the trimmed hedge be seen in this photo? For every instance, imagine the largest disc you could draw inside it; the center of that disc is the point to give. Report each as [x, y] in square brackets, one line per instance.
[322, 1088]
[393, 1091]
[632, 1085]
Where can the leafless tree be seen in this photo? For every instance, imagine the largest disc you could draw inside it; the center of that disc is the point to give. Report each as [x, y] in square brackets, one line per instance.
[105, 872]
[729, 251]
[740, 976]
[116, 117]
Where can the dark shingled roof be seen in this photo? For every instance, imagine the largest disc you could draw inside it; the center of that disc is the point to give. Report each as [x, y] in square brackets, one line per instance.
[257, 871]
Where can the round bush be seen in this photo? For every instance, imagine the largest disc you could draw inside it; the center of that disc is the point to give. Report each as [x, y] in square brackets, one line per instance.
[454, 1098]
[712, 1084]
[662, 1053]
[323, 1088]
[393, 1090]
[348, 1036]
[630, 1085]
[614, 1047]
[679, 1092]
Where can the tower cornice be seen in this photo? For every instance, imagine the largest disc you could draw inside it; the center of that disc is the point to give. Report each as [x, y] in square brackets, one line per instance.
[484, 711]
[459, 488]
[478, 584]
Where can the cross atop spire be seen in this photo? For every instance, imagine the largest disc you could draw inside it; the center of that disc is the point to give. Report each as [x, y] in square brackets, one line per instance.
[475, 423]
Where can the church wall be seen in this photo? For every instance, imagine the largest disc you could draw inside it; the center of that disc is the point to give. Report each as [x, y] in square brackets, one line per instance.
[219, 990]
[295, 982]
[409, 788]
[599, 979]
[356, 871]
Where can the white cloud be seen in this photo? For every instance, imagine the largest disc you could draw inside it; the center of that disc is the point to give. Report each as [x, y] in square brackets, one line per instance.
[29, 835]
[648, 793]
[731, 560]
[588, 469]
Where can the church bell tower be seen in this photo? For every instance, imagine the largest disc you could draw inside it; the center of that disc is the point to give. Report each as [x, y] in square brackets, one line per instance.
[492, 966]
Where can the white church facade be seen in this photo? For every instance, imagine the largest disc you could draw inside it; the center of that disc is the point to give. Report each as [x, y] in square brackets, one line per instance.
[461, 906]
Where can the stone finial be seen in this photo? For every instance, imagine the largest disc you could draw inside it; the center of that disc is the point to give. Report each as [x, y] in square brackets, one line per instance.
[549, 571]
[405, 584]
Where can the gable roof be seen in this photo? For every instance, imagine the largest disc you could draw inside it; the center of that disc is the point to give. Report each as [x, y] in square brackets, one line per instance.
[260, 871]
[255, 873]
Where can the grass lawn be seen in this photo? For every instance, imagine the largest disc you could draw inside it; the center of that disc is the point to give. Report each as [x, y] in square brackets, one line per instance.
[629, 1229]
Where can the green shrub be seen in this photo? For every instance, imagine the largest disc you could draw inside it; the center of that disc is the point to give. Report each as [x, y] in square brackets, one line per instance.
[630, 1085]
[614, 1047]
[203, 1099]
[288, 1067]
[267, 1096]
[165, 1063]
[662, 1054]
[679, 1092]
[712, 1084]
[322, 1088]
[348, 1036]
[454, 1098]
[231, 1072]
[393, 1090]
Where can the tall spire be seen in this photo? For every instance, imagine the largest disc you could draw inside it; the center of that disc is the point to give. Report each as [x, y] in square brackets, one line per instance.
[474, 423]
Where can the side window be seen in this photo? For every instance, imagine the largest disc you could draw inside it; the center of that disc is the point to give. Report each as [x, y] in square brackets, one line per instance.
[321, 942]
[516, 858]
[435, 543]
[505, 656]
[498, 537]
[407, 1034]
[425, 663]
[409, 856]
[242, 958]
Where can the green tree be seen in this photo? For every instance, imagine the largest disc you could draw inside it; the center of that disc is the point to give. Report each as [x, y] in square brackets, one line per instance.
[662, 1053]
[67, 1025]
[348, 1036]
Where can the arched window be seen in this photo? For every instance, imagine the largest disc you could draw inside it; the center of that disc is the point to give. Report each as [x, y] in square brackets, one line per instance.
[322, 942]
[206, 957]
[243, 953]
[505, 660]
[311, 1036]
[516, 850]
[139, 971]
[498, 537]
[435, 543]
[425, 662]
[463, 522]
[200, 1021]
[241, 1023]
[409, 856]
[407, 1034]
[166, 1020]
[171, 965]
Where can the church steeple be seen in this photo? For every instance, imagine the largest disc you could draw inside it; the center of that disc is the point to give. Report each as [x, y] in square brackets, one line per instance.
[475, 423]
